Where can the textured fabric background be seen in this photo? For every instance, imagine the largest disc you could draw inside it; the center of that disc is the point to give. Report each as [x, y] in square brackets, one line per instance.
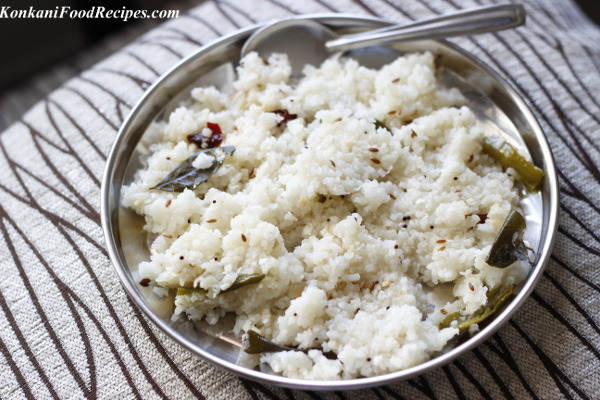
[69, 331]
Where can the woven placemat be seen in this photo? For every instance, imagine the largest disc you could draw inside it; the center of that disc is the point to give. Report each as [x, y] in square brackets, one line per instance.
[68, 330]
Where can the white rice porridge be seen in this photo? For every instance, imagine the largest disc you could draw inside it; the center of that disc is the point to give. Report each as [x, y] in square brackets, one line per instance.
[352, 198]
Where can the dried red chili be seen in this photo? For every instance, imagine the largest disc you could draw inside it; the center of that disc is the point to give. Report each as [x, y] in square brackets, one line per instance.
[204, 142]
[482, 218]
[286, 116]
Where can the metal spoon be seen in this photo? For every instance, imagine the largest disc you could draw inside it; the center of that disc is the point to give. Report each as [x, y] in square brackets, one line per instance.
[313, 42]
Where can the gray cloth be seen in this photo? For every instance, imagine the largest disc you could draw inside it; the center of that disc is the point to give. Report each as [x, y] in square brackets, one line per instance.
[68, 329]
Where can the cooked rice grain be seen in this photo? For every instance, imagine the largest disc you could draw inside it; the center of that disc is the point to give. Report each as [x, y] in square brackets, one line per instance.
[359, 211]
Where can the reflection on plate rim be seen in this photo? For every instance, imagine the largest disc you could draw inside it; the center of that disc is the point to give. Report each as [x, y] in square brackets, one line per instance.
[109, 215]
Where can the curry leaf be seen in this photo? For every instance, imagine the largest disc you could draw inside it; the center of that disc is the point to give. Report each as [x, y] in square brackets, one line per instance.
[495, 299]
[257, 344]
[244, 280]
[509, 246]
[380, 124]
[240, 282]
[186, 176]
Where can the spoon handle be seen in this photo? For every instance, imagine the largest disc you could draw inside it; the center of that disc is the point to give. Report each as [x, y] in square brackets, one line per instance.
[471, 21]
